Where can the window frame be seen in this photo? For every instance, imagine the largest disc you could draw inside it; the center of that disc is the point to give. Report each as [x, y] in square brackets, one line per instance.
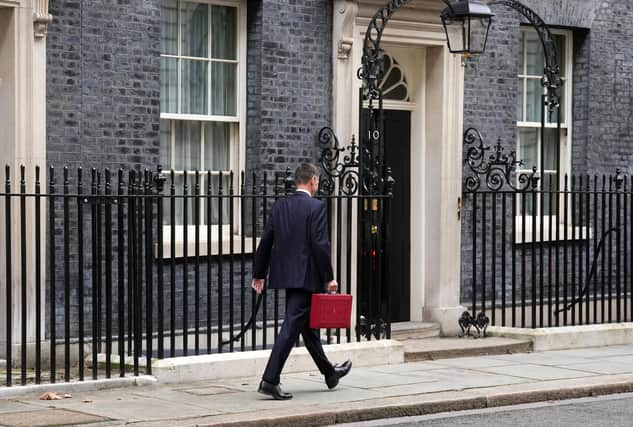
[566, 124]
[237, 144]
[566, 127]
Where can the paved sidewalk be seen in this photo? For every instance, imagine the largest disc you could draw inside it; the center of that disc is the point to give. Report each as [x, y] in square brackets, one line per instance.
[367, 393]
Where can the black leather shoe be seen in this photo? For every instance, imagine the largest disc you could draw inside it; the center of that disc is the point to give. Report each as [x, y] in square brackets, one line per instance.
[273, 390]
[340, 370]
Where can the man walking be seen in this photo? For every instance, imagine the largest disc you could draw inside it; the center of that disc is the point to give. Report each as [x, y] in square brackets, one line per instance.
[296, 247]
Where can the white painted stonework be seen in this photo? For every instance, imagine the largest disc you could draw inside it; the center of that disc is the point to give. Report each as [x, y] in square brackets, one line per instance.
[415, 37]
[252, 363]
[23, 25]
[569, 337]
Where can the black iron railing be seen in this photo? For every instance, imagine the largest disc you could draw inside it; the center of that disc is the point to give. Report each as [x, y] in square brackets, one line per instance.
[544, 251]
[111, 270]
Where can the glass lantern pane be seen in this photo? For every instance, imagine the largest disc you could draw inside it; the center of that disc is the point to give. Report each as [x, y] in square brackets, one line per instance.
[224, 32]
[194, 86]
[478, 34]
[169, 27]
[168, 85]
[224, 89]
[456, 33]
[195, 29]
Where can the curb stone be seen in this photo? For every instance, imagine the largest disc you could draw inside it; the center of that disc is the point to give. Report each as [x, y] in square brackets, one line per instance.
[468, 400]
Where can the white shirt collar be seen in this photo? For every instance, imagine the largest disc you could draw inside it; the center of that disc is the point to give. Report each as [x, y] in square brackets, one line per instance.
[305, 191]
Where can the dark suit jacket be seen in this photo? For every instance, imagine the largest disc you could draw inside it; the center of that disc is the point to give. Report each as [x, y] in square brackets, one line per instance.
[295, 245]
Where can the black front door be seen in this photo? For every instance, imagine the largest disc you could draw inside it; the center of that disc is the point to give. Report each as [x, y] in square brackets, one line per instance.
[397, 134]
[397, 137]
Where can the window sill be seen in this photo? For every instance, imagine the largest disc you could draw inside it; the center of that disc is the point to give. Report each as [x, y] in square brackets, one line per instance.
[577, 233]
[203, 246]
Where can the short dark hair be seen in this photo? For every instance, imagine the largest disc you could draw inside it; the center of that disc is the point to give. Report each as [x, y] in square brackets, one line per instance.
[305, 172]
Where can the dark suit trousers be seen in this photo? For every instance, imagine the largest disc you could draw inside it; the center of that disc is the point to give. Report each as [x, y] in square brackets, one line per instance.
[296, 321]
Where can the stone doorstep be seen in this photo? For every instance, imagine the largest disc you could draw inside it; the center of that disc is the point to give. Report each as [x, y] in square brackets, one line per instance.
[252, 363]
[414, 330]
[569, 337]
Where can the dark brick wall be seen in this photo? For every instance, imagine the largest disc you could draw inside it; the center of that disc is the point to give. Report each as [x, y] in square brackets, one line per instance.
[103, 83]
[490, 83]
[103, 110]
[602, 90]
[103, 95]
[290, 81]
[610, 106]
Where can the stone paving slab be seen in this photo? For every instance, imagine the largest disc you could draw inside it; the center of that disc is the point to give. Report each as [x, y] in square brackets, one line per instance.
[15, 406]
[603, 367]
[622, 359]
[416, 404]
[545, 359]
[366, 393]
[48, 417]
[472, 362]
[209, 390]
[466, 378]
[536, 372]
[125, 404]
[592, 352]
[405, 368]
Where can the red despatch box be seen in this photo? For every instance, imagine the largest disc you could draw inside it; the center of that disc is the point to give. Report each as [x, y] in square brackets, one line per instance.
[330, 311]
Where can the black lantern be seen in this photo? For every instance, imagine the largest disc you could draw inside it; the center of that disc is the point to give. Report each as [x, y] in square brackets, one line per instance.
[466, 23]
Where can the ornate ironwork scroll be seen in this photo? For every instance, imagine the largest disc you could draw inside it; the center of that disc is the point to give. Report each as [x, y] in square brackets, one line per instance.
[496, 169]
[372, 68]
[338, 164]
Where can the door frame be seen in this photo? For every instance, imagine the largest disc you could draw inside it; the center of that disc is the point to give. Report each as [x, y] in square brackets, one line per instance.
[438, 290]
[412, 60]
